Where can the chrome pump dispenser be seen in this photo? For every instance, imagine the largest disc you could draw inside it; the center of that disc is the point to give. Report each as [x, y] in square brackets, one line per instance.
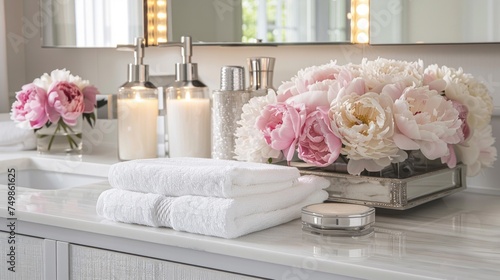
[187, 108]
[137, 109]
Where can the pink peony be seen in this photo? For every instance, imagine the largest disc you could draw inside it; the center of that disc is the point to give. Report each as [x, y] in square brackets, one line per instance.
[318, 144]
[29, 108]
[281, 125]
[426, 121]
[89, 96]
[307, 78]
[462, 115]
[66, 101]
[451, 158]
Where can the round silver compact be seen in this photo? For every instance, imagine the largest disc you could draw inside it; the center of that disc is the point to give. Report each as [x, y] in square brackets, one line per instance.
[338, 219]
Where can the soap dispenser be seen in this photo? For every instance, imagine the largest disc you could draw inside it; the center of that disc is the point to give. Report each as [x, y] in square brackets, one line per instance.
[137, 109]
[187, 109]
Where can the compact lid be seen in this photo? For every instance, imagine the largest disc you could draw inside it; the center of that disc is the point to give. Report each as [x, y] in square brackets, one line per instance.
[338, 215]
[137, 72]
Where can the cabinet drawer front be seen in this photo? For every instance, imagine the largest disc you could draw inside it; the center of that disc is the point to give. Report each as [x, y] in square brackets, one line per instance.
[28, 257]
[92, 263]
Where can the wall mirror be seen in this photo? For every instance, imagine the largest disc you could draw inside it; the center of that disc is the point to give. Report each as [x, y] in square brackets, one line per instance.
[434, 22]
[106, 23]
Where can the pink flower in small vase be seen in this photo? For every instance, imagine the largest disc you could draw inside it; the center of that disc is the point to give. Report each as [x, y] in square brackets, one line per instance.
[29, 108]
[89, 96]
[66, 101]
[281, 125]
[318, 144]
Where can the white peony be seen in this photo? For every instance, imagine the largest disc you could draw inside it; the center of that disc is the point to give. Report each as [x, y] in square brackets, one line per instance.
[479, 151]
[250, 142]
[380, 72]
[364, 123]
[463, 88]
[59, 75]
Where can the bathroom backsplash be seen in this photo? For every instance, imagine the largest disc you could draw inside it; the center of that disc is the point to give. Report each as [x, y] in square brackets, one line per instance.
[106, 68]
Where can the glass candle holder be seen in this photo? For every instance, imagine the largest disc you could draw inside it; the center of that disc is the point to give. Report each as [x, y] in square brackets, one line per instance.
[137, 121]
[188, 121]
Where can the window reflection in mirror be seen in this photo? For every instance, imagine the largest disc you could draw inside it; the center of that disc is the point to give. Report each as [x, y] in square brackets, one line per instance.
[90, 23]
[295, 21]
[434, 21]
[267, 21]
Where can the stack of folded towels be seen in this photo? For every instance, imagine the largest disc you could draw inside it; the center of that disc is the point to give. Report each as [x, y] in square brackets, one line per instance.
[13, 138]
[206, 196]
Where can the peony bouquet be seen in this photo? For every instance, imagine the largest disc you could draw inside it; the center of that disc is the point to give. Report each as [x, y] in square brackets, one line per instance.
[371, 115]
[59, 98]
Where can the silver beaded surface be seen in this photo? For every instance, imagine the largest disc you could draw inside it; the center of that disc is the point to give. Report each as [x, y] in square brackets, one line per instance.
[226, 111]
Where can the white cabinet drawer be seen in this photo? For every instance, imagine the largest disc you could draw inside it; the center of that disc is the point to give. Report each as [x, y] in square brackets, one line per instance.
[91, 263]
[28, 257]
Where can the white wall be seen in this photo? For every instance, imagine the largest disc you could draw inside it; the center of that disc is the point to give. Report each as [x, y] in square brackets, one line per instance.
[106, 68]
[4, 89]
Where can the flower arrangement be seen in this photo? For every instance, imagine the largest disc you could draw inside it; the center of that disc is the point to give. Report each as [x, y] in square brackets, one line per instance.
[371, 115]
[59, 98]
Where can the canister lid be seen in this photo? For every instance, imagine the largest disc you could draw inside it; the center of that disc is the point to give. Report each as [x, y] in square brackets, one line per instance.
[232, 78]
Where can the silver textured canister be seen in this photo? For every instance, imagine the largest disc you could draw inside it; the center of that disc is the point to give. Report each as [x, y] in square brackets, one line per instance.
[226, 110]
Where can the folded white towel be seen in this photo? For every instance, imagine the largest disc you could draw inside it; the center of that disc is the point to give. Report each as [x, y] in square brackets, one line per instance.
[200, 176]
[223, 217]
[13, 138]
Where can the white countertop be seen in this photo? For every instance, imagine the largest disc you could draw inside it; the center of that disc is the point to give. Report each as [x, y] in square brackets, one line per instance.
[457, 237]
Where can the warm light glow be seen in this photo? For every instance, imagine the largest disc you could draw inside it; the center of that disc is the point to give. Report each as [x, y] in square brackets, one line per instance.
[363, 24]
[188, 95]
[360, 24]
[138, 97]
[362, 37]
[157, 22]
[362, 9]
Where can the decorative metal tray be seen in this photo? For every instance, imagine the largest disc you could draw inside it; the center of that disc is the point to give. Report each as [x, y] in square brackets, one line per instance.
[392, 193]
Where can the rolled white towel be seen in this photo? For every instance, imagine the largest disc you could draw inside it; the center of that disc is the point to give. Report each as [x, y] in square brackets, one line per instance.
[222, 217]
[13, 138]
[200, 176]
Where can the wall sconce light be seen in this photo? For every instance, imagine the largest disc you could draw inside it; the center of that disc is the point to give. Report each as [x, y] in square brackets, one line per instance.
[155, 22]
[360, 21]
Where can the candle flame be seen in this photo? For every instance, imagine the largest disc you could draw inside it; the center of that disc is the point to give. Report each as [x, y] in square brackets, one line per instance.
[188, 95]
[137, 97]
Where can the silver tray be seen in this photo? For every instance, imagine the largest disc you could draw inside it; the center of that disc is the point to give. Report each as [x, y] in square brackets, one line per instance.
[393, 193]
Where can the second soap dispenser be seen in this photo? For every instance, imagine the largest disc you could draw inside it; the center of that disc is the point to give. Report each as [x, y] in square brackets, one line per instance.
[187, 109]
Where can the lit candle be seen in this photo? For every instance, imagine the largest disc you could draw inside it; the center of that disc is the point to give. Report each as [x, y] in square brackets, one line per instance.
[188, 122]
[137, 120]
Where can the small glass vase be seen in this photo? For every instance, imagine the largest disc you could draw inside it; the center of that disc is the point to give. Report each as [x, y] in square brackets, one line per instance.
[60, 138]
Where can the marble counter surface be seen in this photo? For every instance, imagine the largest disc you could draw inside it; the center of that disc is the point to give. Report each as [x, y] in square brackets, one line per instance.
[457, 237]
